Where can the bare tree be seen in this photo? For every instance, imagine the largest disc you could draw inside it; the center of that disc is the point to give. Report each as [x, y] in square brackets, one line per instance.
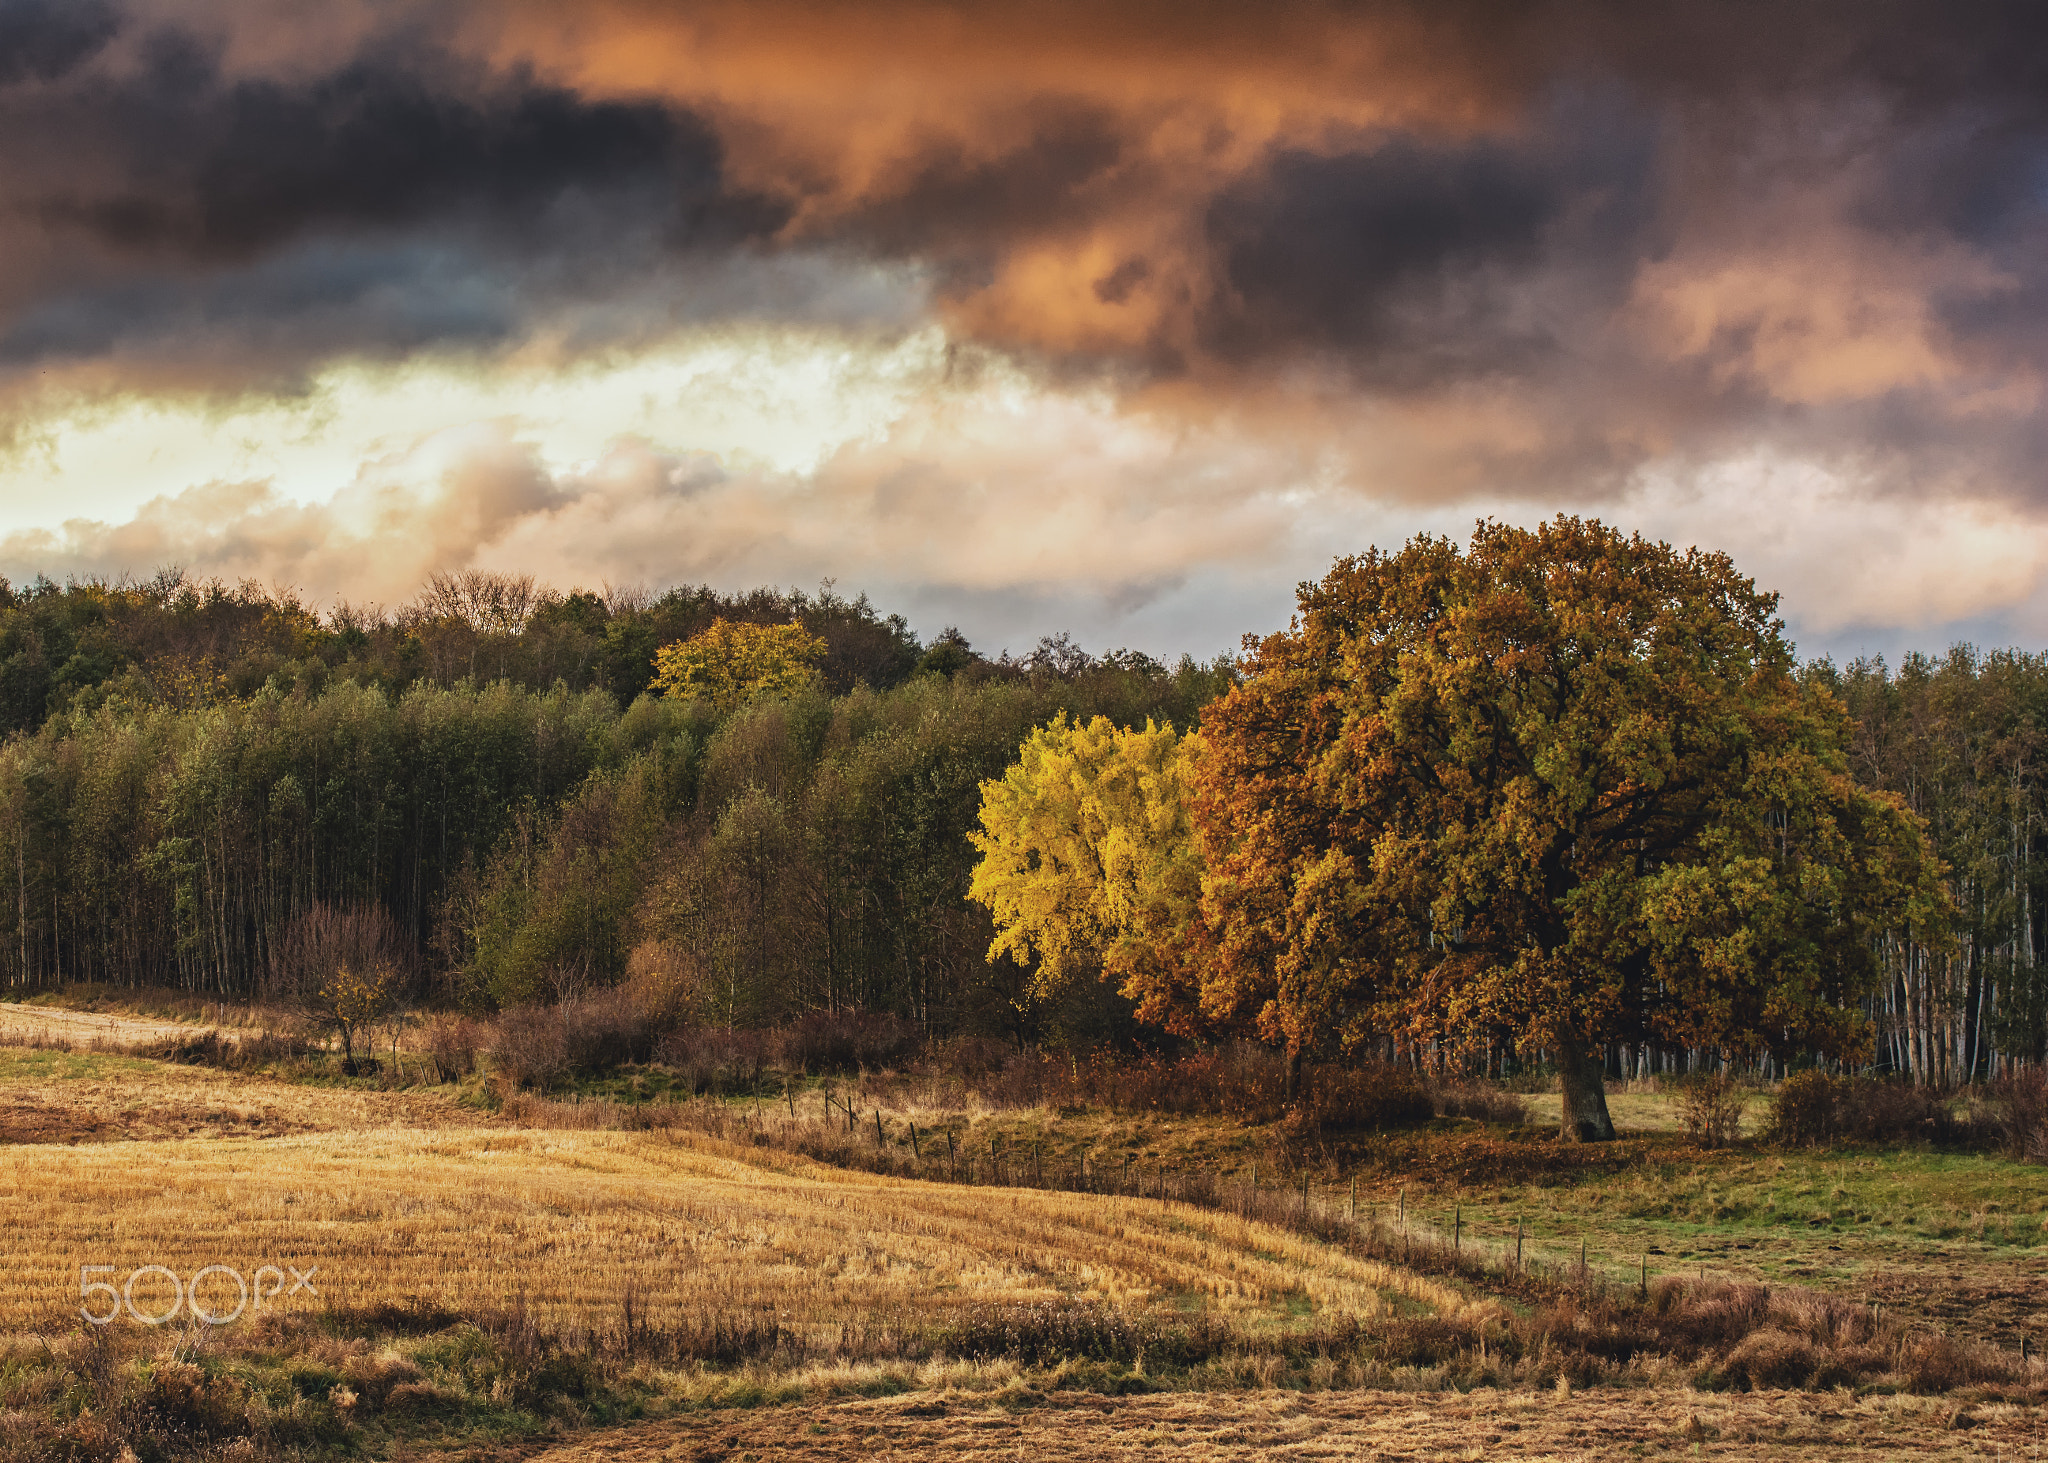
[626, 599]
[344, 970]
[488, 602]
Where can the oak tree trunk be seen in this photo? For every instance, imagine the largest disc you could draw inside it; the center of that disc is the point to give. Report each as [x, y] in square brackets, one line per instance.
[1583, 1081]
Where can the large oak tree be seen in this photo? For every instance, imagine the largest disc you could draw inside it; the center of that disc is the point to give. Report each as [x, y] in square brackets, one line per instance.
[1562, 788]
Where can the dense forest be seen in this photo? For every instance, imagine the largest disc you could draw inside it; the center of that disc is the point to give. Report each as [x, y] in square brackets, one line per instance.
[191, 768]
[1960, 739]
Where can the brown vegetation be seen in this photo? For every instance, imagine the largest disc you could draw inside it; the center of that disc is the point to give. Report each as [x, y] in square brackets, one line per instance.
[1813, 1107]
[968, 1426]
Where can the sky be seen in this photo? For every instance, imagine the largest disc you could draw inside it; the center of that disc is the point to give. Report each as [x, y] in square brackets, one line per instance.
[1118, 317]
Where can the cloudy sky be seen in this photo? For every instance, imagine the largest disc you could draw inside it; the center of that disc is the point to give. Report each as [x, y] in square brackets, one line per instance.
[1112, 316]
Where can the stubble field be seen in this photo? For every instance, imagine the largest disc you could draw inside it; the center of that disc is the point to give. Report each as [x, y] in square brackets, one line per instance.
[469, 1217]
[1781, 1427]
[585, 1281]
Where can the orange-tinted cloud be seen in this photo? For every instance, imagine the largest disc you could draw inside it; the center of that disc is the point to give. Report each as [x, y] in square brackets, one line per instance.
[1424, 255]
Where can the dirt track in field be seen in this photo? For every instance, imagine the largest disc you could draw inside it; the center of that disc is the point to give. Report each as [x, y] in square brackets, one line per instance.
[82, 1028]
[1213, 1427]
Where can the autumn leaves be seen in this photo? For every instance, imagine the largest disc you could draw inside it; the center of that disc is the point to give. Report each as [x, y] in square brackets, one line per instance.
[1559, 790]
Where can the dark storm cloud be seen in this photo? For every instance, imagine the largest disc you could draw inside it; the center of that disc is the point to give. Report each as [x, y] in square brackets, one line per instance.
[220, 173]
[396, 198]
[1636, 231]
[41, 40]
[1376, 252]
[946, 202]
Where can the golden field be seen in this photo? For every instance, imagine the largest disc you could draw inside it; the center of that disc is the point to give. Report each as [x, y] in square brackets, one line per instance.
[480, 1276]
[472, 1215]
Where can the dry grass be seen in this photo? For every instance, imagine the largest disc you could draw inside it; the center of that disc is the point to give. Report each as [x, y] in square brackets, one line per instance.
[1017, 1422]
[564, 1265]
[57, 1025]
[480, 1218]
[62, 1096]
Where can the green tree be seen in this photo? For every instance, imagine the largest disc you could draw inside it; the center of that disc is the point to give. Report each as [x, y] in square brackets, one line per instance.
[1564, 788]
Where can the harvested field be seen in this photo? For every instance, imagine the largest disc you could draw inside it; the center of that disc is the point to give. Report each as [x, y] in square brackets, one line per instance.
[1365, 1425]
[568, 1223]
[497, 1281]
[63, 1097]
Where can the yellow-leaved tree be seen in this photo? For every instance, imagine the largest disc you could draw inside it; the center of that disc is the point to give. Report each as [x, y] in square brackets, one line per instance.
[1088, 859]
[348, 1001]
[731, 664]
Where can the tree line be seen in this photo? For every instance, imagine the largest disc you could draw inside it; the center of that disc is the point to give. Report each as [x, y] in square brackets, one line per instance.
[531, 790]
[527, 838]
[1959, 739]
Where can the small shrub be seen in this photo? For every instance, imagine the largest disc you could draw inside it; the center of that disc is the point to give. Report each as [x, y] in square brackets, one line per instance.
[527, 1047]
[712, 1059]
[1713, 1110]
[1479, 1100]
[2020, 1101]
[450, 1042]
[847, 1041]
[1771, 1358]
[1803, 1112]
[605, 1029]
[1814, 1108]
[1357, 1099]
[537, 1046]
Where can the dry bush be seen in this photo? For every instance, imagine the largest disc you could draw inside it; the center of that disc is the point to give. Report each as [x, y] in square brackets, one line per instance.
[606, 1028]
[1359, 1099]
[1483, 1101]
[527, 1047]
[1813, 1108]
[664, 984]
[450, 1042]
[537, 1046]
[847, 1041]
[968, 1058]
[1712, 1110]
[711, 1059]
[2020, 1102]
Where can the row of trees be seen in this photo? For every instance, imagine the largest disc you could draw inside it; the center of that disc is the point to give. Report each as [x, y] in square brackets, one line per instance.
[177, 642]
[1960, 741]
[774, 846]
[1560, 790]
